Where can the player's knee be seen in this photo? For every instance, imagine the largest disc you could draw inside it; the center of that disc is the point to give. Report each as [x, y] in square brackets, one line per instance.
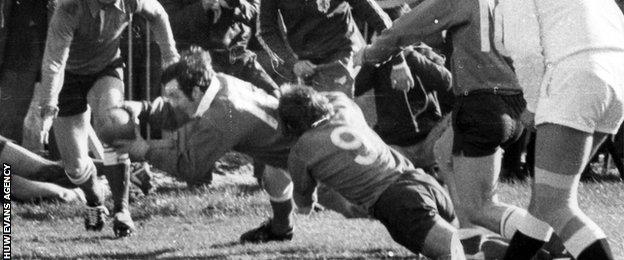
[277, 184]
[80, 170]
[114, 124]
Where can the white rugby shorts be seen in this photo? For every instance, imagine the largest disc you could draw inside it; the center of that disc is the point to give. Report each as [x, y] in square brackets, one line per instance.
[584, 92]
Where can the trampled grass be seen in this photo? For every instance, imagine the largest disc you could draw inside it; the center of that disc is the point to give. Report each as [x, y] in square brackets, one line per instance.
[207, 222]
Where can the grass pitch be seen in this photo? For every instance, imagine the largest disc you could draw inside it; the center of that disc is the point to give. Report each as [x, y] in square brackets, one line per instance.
[206, 223]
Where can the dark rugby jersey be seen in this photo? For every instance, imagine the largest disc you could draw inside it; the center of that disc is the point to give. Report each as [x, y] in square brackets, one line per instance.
[476, 63]
[346, 155]
[316, 29]
[240, 117]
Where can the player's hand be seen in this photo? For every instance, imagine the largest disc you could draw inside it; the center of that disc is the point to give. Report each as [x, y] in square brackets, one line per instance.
[304, 69]
[136, 149]
[135, 108]
[401, 77]
[528, 119]
[46, 125]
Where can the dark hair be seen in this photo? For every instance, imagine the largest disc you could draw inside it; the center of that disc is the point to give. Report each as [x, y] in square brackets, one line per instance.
[194, 69]
[299, 107]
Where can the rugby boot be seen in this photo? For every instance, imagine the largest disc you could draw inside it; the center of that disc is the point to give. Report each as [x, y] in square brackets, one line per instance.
[95, 218]
[117, 170]
[123, 225]
[263, 234]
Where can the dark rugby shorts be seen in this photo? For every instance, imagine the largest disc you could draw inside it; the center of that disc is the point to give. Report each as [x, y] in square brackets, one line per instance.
[484, 120]
[408, 208]
[73, 96]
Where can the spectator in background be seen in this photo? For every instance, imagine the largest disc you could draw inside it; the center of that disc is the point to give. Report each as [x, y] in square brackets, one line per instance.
[320, 40]
[405, 118]
[23, 26]
[223, 28]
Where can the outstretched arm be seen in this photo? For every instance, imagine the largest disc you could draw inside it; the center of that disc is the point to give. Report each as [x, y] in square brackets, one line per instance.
[424, 23]
[154, 12]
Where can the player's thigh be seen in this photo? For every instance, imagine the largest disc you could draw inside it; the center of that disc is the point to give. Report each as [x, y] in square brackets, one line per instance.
[71, 133]
[476, 180]
[408, 211]
[107, 92]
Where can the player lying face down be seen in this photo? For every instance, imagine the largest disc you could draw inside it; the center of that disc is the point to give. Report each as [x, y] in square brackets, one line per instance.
[211, 114]
[338, 149]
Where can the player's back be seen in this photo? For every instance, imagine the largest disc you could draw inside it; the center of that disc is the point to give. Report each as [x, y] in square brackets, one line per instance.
[573, 26]
[348, 156]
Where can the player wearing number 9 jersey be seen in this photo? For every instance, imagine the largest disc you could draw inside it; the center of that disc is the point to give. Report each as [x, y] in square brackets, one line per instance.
[338, 149]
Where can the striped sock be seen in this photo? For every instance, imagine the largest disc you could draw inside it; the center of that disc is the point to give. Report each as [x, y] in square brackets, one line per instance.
[531, 236]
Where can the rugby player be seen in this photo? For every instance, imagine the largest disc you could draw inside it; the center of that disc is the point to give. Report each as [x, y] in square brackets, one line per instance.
[570, 57]
[82, 68]
[314, 41]
[487, 109]
[211, 114]
[336, 147]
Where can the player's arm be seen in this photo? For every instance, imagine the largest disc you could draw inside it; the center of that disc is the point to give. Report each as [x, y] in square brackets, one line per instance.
[157, 113]
[270, 35]
[304, 184]
[434, 76]
[60, 34]
[245, 11]
[424, 23]
[154, 12]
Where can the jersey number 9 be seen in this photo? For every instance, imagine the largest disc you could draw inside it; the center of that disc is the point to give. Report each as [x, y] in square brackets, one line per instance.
[346, 139]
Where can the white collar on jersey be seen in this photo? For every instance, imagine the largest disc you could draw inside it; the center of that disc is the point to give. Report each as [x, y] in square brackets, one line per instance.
[209, 96]
[320, 121]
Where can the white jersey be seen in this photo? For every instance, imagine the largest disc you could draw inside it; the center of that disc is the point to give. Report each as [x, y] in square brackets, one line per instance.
[572, 26]
[537, 33]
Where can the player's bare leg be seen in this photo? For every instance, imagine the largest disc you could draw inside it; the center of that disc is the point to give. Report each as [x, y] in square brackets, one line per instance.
[472, 184]
[278, 185]
[107, 93]
[442, 242]
[80, 169]
[560, 157]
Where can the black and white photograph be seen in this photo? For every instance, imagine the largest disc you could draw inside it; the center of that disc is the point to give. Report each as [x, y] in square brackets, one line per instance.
[312, 129]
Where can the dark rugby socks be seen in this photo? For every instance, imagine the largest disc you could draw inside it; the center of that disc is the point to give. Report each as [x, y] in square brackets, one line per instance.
[282, 216]
[597, 251]
[522, 247]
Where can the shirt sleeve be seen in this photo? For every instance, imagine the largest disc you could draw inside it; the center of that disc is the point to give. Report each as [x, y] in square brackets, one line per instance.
[424, 23]
[60, 34]
[304, 184]
[154, 12]
[271, 36]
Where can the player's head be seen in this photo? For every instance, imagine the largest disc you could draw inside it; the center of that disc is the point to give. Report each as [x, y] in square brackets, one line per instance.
[300, 107]
[117, 123]
[186, 81]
